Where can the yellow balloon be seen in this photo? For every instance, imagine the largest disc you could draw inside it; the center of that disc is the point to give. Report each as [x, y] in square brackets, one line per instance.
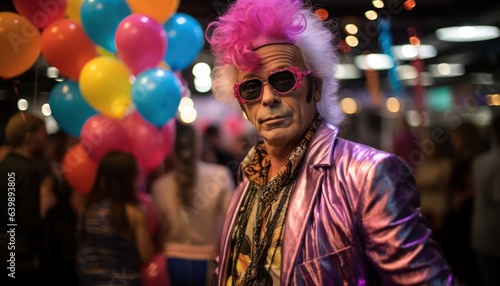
[105, 85]
[160, 10]
[73, 10]
[103, 52]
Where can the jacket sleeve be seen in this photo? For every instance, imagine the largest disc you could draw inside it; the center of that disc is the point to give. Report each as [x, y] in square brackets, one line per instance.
[396, 237]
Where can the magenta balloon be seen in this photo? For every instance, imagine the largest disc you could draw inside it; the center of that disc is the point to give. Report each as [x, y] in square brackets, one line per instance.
[141, 42]
[101, 134]
[168, 132]
[147, 142]
[155, 272]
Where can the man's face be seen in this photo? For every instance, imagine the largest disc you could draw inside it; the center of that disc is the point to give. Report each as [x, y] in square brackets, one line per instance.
[39, 142]
[281, 120]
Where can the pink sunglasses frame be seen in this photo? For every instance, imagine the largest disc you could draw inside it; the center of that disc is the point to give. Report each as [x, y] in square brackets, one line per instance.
[298, 74]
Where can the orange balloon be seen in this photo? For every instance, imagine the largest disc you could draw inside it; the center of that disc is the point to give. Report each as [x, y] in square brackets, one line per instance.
[19, 44]
[79, 169]
[66, 46]
[160, 10]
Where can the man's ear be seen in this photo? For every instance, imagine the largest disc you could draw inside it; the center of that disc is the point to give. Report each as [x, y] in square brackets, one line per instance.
[317, 86]
[27, 136]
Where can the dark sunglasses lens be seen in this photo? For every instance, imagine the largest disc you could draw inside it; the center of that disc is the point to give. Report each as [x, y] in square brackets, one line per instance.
[250, 90]
[282, 81]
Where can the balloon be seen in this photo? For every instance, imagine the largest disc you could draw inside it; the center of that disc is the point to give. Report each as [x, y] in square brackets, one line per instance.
[101, 134]
[66, 46]
[147, 202]
[41, 12]
[168, 133]
[79, 169]
[141, 42]
[19, 44]
[147, 143]
[105, 84]
[156, 94]
[155, 272]
[160, 10]
[73, 10]
[100, 18]
[103, 52]
[68, 107]
[185, 40]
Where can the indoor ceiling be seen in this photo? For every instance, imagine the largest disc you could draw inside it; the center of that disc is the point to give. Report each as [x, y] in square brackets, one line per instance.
[424, 18]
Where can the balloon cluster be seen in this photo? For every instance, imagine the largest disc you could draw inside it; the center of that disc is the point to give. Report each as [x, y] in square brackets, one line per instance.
[122, 61]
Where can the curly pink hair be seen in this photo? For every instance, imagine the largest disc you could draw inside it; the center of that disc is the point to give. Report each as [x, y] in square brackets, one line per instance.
[250, 24]
[247, 26]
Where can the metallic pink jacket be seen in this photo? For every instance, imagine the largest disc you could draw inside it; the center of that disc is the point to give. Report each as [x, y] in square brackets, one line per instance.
[353, 219]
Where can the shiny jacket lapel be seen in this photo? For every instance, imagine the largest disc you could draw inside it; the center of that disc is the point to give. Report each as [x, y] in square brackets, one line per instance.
[302, 200]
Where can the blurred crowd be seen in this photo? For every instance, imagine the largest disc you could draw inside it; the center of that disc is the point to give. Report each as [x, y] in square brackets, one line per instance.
[172, 216]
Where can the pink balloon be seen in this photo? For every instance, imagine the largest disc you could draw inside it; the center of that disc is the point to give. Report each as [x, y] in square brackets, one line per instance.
[101, 134]
[155, 272]
[147, 202]
[141, 42]
[168, 132]
[147, 143]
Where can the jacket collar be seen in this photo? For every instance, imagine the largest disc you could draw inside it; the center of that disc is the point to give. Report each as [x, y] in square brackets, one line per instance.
[319, 156]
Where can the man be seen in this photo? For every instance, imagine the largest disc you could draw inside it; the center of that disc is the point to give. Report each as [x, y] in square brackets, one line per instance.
[486, 212]
[312, 208]
[21, 225]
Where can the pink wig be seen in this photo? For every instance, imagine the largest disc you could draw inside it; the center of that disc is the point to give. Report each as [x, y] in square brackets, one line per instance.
[251, 24]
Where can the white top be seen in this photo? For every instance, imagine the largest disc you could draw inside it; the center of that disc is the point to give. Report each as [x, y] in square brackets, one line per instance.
[193, 232]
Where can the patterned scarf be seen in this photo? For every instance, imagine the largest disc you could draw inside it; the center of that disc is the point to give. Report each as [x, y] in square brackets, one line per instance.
[256, 165]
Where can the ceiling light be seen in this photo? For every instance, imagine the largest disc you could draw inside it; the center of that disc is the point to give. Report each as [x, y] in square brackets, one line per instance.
[349, 105]
[409, 52]
[447, 70]
[351, 29]
[22, 104]
[407, 72]
[378, 3]
[374, 62]
[201, 70]
[467, 33]
[371, 15]
[352, 41]
[393, 105]
[347, 71]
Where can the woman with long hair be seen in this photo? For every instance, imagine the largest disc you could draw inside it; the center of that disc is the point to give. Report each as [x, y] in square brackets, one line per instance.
[114, 239]
[191, 200]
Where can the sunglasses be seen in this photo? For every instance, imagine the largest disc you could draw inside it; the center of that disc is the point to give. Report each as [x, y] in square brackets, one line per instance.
[281, 81]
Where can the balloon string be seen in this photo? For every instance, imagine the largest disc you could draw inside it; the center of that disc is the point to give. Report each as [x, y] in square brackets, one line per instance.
[15, 82]
[36, 83]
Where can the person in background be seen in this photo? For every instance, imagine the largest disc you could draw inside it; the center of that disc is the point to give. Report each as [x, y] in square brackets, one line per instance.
[467, 143]
[485, 234]
[191, 200]
[432, 174]
[59, 207]
[20, 180]
[312, 208]
[216, 152]
[113, 227]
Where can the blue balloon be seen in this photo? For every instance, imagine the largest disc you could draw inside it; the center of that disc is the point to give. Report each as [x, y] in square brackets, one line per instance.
[69, 108]
[100, 18]
[185, 39]
[156, 94]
